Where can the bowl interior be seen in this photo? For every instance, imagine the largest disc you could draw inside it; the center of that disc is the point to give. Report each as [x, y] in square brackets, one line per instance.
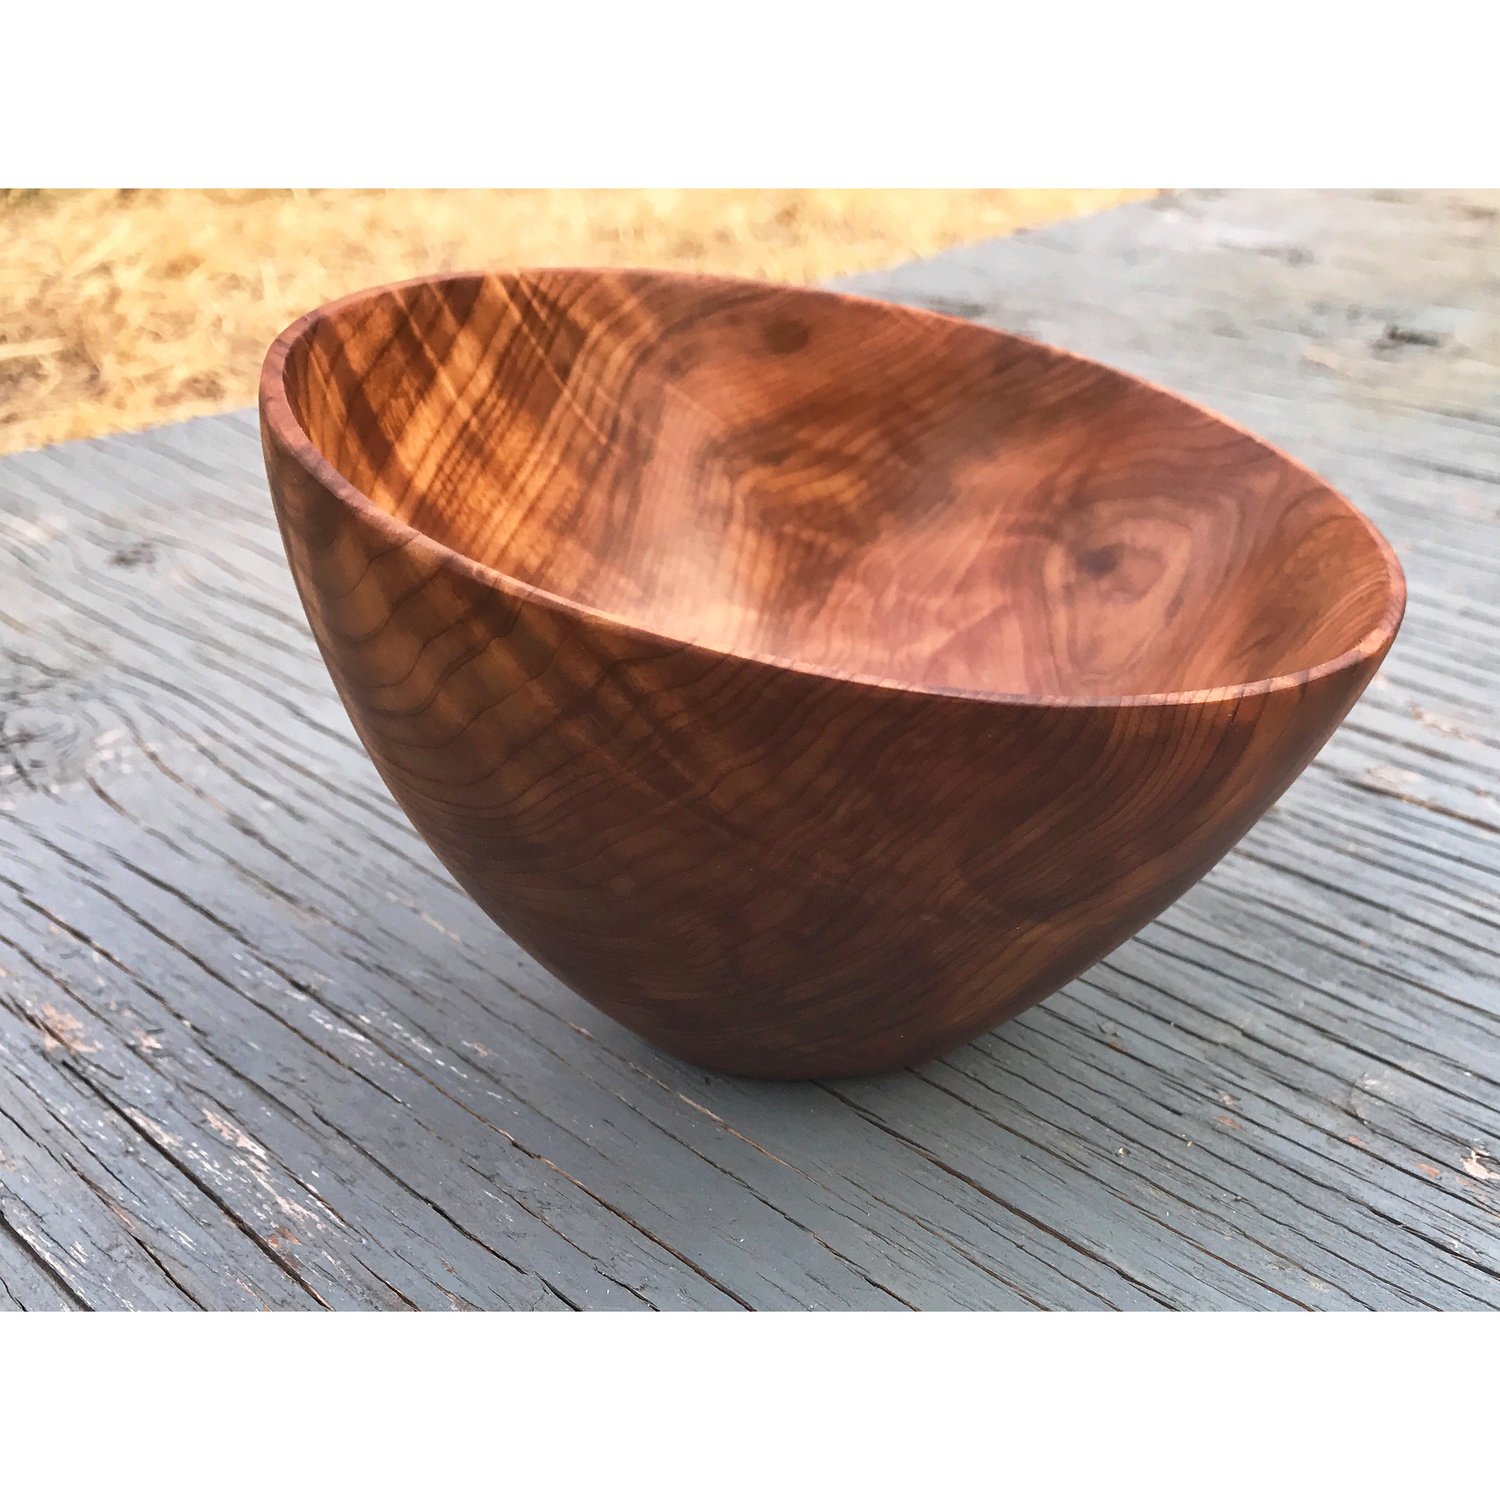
[858, 488]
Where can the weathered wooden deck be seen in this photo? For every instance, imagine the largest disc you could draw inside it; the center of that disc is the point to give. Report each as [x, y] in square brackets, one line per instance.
[256, 1049]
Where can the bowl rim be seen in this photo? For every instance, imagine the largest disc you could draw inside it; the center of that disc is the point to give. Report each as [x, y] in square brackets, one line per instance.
[283, 424]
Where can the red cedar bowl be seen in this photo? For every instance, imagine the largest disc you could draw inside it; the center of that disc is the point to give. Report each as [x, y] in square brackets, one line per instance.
[808, 682]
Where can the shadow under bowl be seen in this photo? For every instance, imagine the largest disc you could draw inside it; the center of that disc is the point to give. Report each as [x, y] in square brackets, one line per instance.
[810, 683]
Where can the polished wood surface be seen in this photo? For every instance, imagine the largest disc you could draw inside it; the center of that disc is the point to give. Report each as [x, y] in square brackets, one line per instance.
[810, 683]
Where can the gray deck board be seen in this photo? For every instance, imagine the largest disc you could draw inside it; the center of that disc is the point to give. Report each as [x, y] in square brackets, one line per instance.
[256, 1049]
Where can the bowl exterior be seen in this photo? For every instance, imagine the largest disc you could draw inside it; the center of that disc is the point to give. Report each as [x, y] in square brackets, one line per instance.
[760, 869]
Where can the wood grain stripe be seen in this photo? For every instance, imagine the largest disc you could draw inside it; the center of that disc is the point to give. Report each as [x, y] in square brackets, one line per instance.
[809, 683]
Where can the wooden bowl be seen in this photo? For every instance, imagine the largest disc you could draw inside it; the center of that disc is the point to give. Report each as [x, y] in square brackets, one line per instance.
[810, 683]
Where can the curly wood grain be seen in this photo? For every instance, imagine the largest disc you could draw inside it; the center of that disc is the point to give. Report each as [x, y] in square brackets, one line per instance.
[810, 683]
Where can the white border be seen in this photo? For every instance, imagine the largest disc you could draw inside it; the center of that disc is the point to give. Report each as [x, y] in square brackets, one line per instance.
[931, 94]
[704, 1405]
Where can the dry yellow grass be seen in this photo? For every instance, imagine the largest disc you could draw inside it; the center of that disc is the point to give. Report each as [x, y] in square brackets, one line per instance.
[124, 309]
